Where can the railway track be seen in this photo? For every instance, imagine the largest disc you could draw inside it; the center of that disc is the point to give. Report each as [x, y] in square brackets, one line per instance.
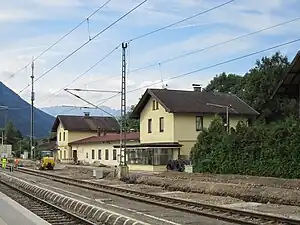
[212, 211]
[50, 213]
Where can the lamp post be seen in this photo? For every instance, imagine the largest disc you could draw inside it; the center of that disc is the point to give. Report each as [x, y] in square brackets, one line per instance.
[227, 112]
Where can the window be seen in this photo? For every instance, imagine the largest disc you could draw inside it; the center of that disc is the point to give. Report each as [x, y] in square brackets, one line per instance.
[99, 154]
[64, 136]
[114, 154]
[154, 156]
[59, 136]
[106, 154]
[153, 105]
[161, 124]
[149, 125]
[65, 154]
[199, 123]
[87, 155]
[93, 154]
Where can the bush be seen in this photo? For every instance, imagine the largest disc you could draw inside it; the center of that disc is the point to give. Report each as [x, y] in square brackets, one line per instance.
[262, 150]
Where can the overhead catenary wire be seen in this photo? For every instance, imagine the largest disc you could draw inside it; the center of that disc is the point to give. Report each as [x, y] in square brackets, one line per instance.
[215, 45]
[162, 28]
[211, 66]
[180, 21]
[84, 44]
[84, 73]
[205, 48]
[61, 38]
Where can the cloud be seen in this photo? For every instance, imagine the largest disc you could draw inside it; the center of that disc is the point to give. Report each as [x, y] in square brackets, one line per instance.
[30, 27]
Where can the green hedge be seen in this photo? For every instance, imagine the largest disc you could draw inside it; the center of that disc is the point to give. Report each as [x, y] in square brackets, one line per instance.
[262, 150]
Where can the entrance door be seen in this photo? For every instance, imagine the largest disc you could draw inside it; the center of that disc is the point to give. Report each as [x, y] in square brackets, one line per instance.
[75, 155]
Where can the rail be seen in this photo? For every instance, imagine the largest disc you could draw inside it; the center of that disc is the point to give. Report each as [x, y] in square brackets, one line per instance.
[208, 210]
[45, 210]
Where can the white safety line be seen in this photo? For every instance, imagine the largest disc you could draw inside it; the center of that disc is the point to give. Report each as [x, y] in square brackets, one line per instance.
[144, 214]
[46, 185]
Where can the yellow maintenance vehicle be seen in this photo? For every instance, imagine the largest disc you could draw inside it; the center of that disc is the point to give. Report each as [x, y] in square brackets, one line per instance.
[46, 160]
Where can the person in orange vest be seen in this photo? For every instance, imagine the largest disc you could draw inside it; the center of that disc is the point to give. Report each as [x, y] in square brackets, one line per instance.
[16, 163]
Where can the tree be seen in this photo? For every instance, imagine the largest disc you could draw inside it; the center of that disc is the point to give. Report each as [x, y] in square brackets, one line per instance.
[12, 135]
[132, 124]
[225, 83]
[257, 86]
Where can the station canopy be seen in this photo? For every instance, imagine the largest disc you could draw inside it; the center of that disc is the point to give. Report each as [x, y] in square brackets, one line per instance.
[290, 82]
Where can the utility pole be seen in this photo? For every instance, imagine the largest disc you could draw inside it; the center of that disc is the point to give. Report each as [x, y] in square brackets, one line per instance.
[32, 107]
[123, 123]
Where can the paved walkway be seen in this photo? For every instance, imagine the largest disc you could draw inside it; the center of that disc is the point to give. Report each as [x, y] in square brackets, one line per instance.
[12, 213]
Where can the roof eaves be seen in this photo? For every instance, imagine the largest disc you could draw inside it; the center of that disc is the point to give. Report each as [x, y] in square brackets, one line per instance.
[139, 107]
[160, 101]
[296, 58]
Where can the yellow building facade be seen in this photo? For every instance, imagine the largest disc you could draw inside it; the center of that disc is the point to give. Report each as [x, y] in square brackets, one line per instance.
[100, 149]
[171, 120]
[71, 128]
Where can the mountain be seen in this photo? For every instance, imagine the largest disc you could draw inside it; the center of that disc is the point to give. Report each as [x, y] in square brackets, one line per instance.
[66, 110]
[18, 112]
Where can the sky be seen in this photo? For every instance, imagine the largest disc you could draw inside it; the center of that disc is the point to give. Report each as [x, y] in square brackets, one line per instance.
[29, 27]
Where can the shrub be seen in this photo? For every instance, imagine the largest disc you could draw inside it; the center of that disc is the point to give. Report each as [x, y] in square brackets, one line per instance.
[262, 150]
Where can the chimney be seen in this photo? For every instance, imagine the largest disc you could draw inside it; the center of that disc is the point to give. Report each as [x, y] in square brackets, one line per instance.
[98, 131]
[197, 87]
[86, 114]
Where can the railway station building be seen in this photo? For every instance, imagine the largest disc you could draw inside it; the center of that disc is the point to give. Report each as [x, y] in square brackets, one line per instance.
[170, 121]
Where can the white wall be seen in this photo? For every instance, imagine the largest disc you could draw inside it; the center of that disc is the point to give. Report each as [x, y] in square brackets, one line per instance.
[84, 152]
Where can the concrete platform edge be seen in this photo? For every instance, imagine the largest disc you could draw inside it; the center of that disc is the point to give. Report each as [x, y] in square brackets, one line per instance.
[91, 211]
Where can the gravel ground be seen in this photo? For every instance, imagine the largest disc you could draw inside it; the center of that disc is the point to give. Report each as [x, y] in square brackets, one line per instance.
[147, 213]
[226, 201]
[240, 188]
[235, 179]
[250, 193]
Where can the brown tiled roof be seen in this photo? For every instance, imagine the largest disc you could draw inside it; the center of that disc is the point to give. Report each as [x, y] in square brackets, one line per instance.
[86, 123]
[195, 102]
[106, 138]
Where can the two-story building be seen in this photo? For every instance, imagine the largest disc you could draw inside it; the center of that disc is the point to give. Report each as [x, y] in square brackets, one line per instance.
[72, 128]
[170, 121]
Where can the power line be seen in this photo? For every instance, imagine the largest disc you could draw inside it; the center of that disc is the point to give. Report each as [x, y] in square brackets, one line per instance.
[83, 45]
[63, 37]
[160, 29]
[99, 103]
[180, 21]
[215, 45]
[84, 73]
[212, 66]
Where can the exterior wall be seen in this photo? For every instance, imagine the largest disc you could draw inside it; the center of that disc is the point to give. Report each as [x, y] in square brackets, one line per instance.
[185, 130]
[147, 168]
[156, 135]
[65, 152]
[84, 152]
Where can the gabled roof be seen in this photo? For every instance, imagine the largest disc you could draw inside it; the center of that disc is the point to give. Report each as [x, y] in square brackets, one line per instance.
[86, 123]
[131, 136]
[194, 102]
[289, 84]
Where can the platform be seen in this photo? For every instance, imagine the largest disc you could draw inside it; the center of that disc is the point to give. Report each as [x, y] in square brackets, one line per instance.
[12, 213]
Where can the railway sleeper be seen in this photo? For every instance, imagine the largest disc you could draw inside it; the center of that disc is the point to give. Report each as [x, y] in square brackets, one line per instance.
[91, 212]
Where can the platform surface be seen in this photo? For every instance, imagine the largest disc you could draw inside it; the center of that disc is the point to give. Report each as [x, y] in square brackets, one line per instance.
[12, 213]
